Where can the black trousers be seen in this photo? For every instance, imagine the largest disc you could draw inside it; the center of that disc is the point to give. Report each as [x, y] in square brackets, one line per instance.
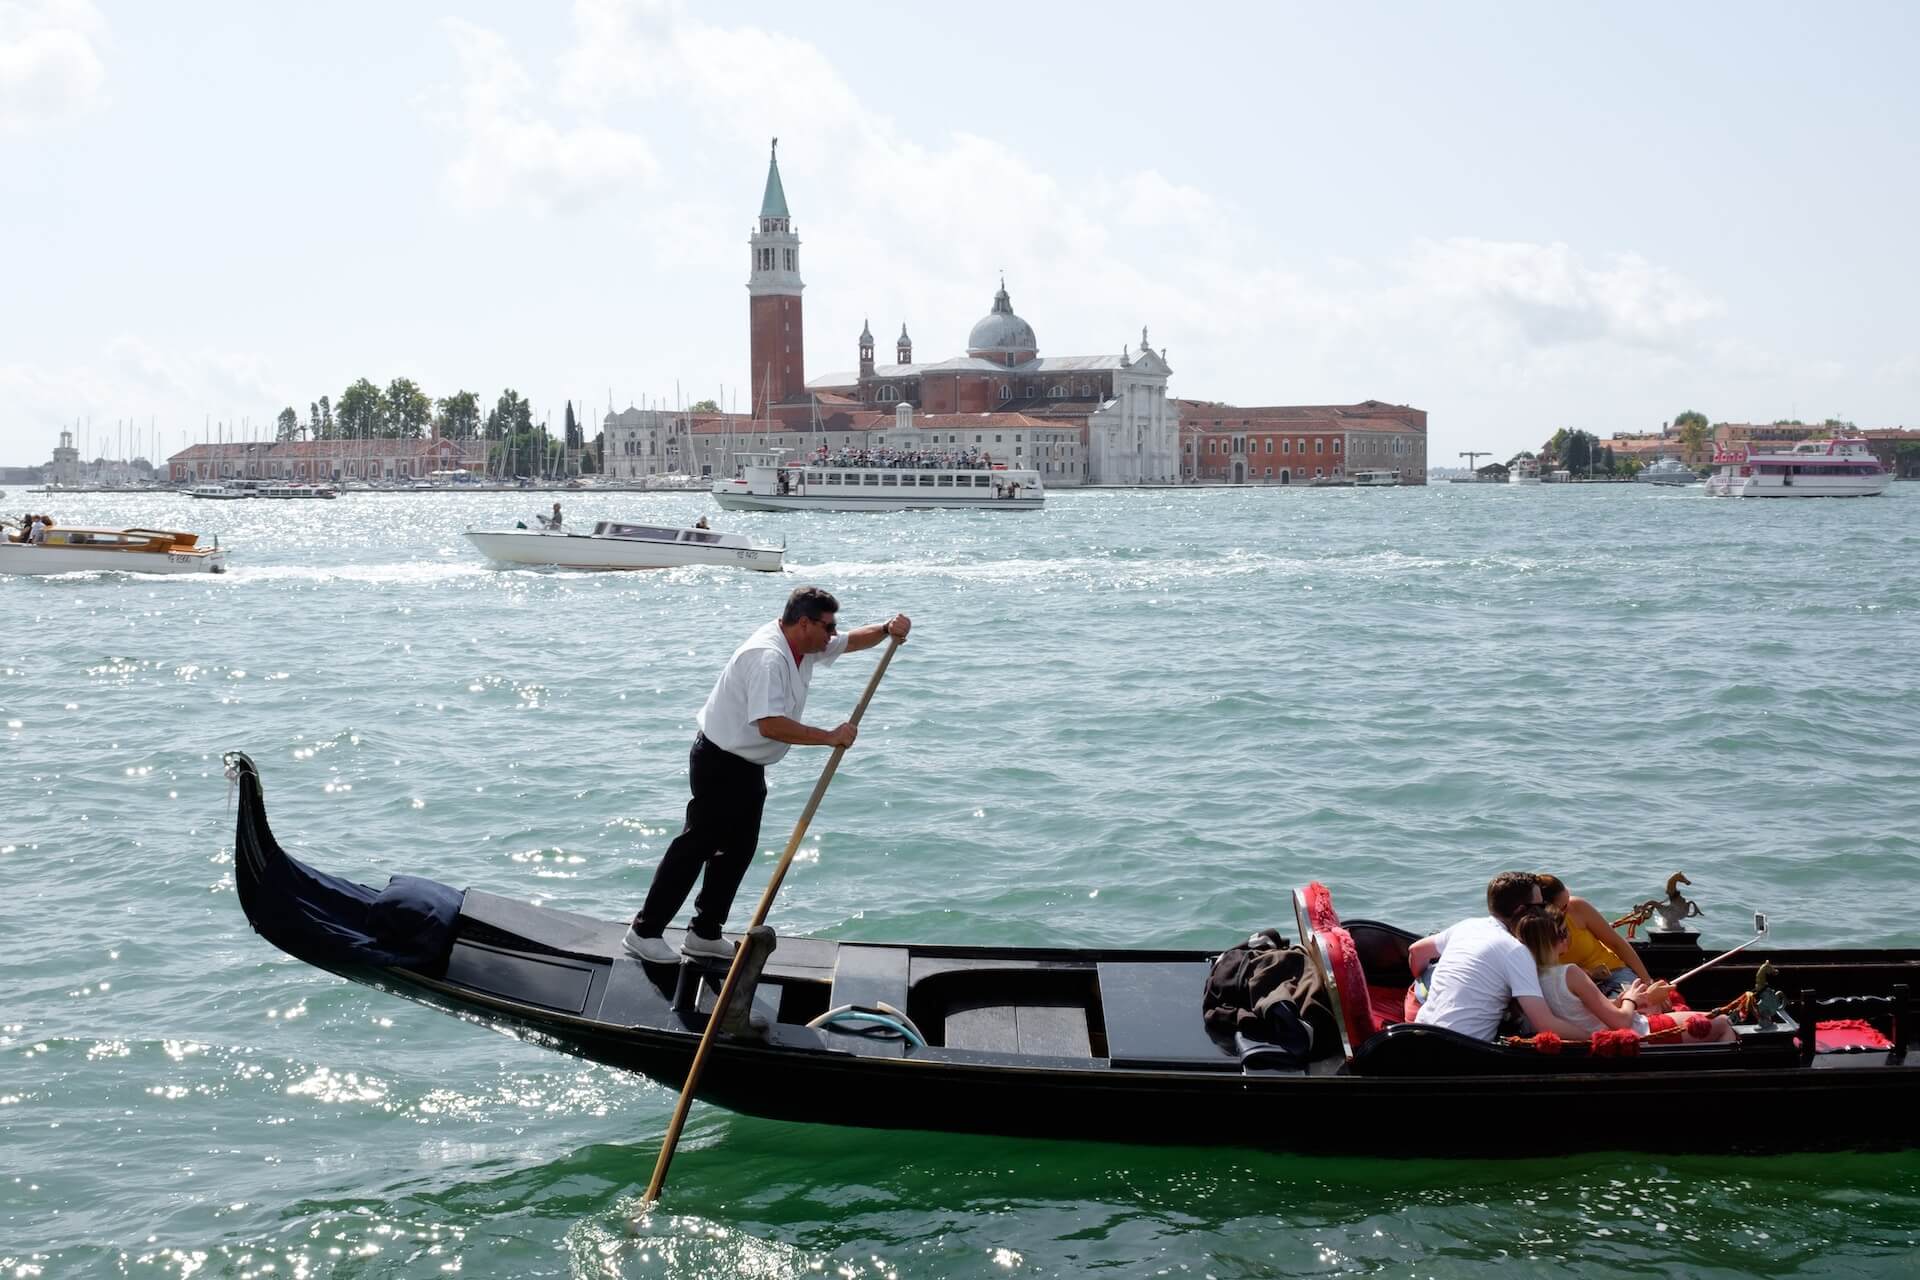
[722, 832]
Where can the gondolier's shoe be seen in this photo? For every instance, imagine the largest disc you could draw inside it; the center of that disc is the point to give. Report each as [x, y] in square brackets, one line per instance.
[654, 949]
[700, 948]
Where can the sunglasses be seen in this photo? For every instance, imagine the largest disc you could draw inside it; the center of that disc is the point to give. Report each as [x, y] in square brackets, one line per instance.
[831, 626]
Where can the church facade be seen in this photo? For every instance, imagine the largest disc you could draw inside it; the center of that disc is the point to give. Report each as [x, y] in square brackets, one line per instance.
[1085, 419]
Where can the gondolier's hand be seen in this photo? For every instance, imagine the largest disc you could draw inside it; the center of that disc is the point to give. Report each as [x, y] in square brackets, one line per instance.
[898, 625]
[843, 736]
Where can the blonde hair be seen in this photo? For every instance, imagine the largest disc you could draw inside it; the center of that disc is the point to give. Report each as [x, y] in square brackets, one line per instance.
[1542, 932]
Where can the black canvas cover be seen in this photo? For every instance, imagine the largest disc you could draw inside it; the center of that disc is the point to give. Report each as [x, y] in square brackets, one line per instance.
[327, 920]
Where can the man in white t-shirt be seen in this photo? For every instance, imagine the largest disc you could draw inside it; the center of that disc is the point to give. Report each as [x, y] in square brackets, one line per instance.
[1478, 966]
[750, 719]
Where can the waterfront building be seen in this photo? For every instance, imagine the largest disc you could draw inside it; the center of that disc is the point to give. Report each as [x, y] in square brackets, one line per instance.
[1887, 445]
[66, 462]
[1299, 444]
[335, 460]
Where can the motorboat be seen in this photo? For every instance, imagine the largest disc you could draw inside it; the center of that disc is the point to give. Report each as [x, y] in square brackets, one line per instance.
[765, 483]
[1524, 471]
[1111, 1044]
[219, 492]
[74, 549]
[617, 545]
[1835, 468]
[1375, 479]
[296, 491]
[1668, 471]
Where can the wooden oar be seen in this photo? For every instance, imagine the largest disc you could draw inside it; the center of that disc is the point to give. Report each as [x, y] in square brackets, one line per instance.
[725, 997]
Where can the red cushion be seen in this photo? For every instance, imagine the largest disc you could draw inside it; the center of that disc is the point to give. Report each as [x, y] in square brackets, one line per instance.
[1320, 912]
[1849, 1033]
[1356, 1007]
[1389, 1005]
[1412, 1007]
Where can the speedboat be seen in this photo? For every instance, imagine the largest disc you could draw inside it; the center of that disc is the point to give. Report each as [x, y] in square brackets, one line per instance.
[1669, 471]
[1835, 468]
[615, 545]
[219, 492]
[1110, 1044]
[763, 484]
[72, 549]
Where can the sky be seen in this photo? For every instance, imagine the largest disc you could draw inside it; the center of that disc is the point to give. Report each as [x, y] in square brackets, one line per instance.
[1517, 218]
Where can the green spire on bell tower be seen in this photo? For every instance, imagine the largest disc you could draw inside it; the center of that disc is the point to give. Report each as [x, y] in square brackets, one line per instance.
[774, 203]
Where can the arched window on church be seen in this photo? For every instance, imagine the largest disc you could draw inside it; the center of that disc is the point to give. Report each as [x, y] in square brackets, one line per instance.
[1006, 392]
[888, 395]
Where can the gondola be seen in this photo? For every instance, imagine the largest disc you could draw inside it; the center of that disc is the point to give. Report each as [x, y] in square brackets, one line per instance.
[1110, 1044]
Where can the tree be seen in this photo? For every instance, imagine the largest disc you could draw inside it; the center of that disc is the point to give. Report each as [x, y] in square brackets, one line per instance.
[408, 410]
[1837, 424]
[705, 406]
[510, 416]
[313, 420]
[362, 411]
[572, 437]
[1606, 460]
[288, 425]
[459, 416]
[1628, 467]
[1680, 420]
[1576, 453]
[323, 424]
[1693, 437]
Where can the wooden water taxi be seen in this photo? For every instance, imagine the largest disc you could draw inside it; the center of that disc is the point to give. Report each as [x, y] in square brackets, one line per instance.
[1110, 1044]
[73, 549]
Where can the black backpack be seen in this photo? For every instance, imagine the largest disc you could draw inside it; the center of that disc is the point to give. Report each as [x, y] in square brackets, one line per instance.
[1266, 989]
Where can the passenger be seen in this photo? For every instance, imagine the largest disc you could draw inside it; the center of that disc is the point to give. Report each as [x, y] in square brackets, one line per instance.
[555, 522]
[1479, 966]
[1571, 995]
[701, 523]
[37, 530]
[1602, 954]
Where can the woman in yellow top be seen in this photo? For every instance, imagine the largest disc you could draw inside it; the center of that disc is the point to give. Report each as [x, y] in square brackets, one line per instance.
[1592, 943]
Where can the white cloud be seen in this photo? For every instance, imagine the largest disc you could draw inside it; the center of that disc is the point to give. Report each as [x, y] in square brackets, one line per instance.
[49, 68]
[133, 380]
[510, 156]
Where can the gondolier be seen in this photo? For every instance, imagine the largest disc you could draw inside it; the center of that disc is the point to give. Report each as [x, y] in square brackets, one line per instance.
[749, 720]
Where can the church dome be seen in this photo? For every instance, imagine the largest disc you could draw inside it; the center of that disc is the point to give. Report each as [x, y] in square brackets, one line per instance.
[1002, 332]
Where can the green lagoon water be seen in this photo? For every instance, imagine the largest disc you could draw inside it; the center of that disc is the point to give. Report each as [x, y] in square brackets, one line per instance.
[1133, 718]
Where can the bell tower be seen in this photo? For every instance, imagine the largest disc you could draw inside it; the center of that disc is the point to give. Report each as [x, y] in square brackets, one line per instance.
[773, 299]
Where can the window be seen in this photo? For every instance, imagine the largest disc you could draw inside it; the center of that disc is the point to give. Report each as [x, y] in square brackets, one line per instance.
[1016, 451]
[1269, 448]
[926, 480]
[1336, 448]
[1286, 446]
[1006, 392]
[976, 439]
[889, 480]
[996, 439]
[789, 259]
[944, 480]
[872, 477]
[1319, 445]
[813, 477]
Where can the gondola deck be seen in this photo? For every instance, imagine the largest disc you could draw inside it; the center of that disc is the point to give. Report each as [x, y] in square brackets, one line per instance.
[1107, 1044]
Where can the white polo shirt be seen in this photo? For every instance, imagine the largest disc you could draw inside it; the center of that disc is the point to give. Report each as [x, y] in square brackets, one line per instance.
[760, 680]
[1481, 967]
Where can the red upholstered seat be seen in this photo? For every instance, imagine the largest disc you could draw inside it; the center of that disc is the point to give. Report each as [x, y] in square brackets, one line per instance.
[1848, 1033]
[1316, 901]
[1350, 984]
[1389, 1005]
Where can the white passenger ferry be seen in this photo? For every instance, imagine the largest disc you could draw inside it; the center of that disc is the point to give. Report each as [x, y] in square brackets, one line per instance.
[1375, 479]
[766, 484]
[1836, 468]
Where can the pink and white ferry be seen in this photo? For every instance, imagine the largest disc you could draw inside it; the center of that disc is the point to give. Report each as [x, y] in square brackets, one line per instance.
[1836, 468]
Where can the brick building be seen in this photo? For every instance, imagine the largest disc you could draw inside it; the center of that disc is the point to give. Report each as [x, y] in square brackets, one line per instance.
[1299, 444]
[329, 460]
